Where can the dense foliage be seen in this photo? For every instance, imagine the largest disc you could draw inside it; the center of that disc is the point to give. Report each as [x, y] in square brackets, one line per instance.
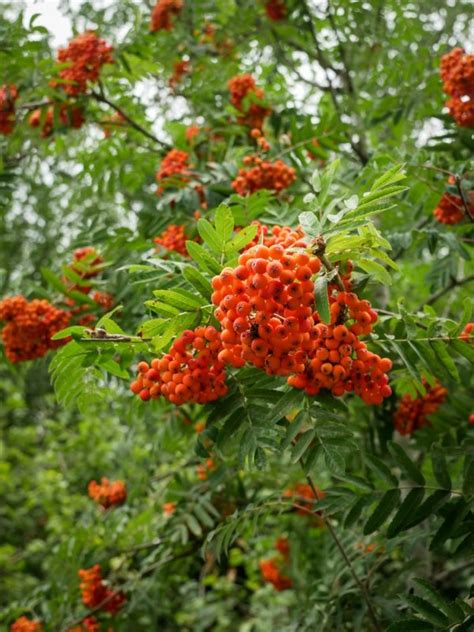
[236, 289]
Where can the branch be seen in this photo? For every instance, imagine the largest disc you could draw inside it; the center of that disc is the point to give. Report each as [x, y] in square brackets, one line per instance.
[101, 335]
[451, 285]
[101, 98]
[318, 249]
[34, 104]
[362, 587]
[462, 195]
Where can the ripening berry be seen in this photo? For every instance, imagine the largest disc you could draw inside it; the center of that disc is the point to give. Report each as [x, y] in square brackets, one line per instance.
[23, 624]
[275, 10]
[8, 96]
[180, 69]
[173, 238]
[84, 55]
[254, 114]
[95, 592]
[190, 372]
[162, 14]
[67, 115]
[457, 73]
[107, 493]
[30, 326]
[88, 624]
[450, 209]
[274, 176]
[467, 333]
[412, 414]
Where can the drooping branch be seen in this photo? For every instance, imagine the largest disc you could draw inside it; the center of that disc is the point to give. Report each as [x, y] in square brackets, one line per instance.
[362, 587]
[101, 98]
[451, 285]
[358, 147]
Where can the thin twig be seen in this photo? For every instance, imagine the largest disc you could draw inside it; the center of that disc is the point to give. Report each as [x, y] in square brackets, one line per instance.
[342, 551]
[101, 98]
[451, 285]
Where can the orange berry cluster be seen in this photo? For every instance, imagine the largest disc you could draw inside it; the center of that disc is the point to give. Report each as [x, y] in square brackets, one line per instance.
[8, 96]
[450, 209]
[457, 73]
[162, 14]
[173, 238]
[169, 508]
[67, 115]
[240, 87]
[191, 132]
[275, 10]
[95, 593]
[341, 362]
[175, 163]
[274, 176]
[203, 470]
[284, 236]
[86, 262]
[304, 497]
[190, 372]
[180, 68]
[265, 308]
[85, 56]
[471, 419]
[262, 142]
[89, 624]
[29, 327]
[272, 569]
[103, 299]
[107, 493]
[412, 414]
[23, 624]
[467, 333]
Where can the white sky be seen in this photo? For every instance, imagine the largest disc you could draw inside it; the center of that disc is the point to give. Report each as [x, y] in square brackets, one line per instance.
[51, 18]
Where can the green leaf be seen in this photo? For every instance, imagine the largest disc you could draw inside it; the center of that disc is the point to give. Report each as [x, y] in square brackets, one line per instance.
[410, 625]
[357, 509]
[69, 331]
[224, 222]
[199, 281]
[407, 466]
[231, 427]
[381, 469]
[395, 174]
[380, 514]
[468, 476]
[376, 270]
[453, 611]
[181, 299]
[204, 260]
[294, 428]
[446, 360]
[333, 456]
[440, 469]
[209, 236]
[410, 504]
[322, 298]
[310, 223]
[429, 612]
[193, 525]
[428, 508]
[303, 444]
[241, 239]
